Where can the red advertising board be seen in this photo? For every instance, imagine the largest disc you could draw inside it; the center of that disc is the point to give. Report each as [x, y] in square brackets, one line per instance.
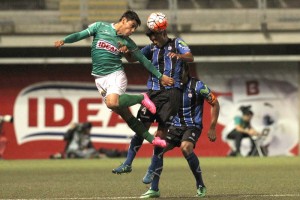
[45, 100]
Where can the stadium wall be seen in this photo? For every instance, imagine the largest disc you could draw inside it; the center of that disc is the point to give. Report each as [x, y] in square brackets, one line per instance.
[46, 99]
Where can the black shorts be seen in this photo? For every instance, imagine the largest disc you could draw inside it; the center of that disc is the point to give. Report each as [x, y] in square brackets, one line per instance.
[176, 135]
[167, 104]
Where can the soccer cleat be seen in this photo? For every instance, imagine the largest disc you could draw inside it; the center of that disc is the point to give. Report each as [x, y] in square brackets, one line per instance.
[148, 103]
[159, 142]
[122, 169]
[148, 178]
[201, 191]
[150, 194]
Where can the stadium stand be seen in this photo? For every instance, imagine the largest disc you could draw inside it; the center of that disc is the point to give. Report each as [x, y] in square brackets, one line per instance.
[195, 15]
[74, 11]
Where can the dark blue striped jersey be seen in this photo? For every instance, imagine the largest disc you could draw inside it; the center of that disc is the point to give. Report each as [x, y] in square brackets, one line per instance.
[166, 65]
[191, 105]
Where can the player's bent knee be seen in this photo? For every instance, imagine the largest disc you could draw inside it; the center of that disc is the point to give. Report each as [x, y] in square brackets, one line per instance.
[187, 148]
[112, 105]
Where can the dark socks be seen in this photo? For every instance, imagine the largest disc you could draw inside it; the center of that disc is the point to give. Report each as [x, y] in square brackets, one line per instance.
[194, 164]
[156, 166]
[135, 144]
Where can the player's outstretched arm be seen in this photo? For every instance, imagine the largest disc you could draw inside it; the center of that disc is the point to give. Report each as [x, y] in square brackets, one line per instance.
[74, 37]
[188, 57]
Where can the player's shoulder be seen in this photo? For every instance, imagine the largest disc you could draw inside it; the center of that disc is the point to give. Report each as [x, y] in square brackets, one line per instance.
[180, 42]
[199, 86]
[99, 24]
[192, 83]
[197, 81]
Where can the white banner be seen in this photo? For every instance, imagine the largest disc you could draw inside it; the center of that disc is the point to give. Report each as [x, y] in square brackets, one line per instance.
[44, 111]
[272, 93]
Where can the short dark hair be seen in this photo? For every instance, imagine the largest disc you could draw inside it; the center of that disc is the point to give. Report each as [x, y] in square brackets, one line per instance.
[87, 125]
[149, 32]
[131, 15]
[246, 110]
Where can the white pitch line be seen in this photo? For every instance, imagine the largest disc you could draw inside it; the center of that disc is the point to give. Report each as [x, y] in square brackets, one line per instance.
[270, 195]
[112, 198]
[77, 198]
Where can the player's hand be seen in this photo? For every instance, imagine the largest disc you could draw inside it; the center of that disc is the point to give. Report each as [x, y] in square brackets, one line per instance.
[59, 43]
[167, 81]
[174, 55]
[212, 135]
[123, 48]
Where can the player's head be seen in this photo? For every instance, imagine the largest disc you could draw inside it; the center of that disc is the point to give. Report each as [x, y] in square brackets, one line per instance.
[247, 113]
[158, 38]
[128, 23]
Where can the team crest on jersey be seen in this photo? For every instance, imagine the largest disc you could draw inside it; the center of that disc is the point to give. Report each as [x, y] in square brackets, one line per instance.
[102, 44]
[169, 48]
[190, 95]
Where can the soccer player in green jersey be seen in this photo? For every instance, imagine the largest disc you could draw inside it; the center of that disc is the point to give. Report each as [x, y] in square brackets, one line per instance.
[108, 71]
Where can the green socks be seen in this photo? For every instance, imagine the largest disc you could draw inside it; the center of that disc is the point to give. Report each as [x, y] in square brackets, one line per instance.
[140, 129]
[127, 100]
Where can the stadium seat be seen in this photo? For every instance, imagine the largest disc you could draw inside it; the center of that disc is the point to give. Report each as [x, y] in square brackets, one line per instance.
[75, 11]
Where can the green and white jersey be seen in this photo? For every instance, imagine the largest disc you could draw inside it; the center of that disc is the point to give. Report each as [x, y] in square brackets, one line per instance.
[106, 57]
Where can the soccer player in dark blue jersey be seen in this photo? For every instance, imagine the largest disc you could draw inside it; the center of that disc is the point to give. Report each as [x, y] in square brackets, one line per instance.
[184, 133]
[169, 56]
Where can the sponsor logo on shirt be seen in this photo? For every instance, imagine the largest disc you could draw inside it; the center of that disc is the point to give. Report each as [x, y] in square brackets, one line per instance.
[102, 44]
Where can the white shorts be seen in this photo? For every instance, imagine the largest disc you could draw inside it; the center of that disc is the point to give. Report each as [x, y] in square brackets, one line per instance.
[114, 83]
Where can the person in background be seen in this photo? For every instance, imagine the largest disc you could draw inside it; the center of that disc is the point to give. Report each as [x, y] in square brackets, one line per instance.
[3, 139]
[78, 142]
[243, 129]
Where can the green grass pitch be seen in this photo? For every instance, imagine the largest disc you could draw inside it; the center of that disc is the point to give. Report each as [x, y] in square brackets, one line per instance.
[225, 178]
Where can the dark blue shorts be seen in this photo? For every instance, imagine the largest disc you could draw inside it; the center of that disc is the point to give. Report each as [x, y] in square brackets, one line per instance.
[167, 104]
[176, 135]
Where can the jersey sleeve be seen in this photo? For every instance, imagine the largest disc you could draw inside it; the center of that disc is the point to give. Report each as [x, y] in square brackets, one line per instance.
[181, 46]
[205, 92]
[131, 44]
[90, 31]
[74, 37]
[93, 28]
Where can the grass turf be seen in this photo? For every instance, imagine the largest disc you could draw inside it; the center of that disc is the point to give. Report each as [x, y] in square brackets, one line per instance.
[225, 178]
